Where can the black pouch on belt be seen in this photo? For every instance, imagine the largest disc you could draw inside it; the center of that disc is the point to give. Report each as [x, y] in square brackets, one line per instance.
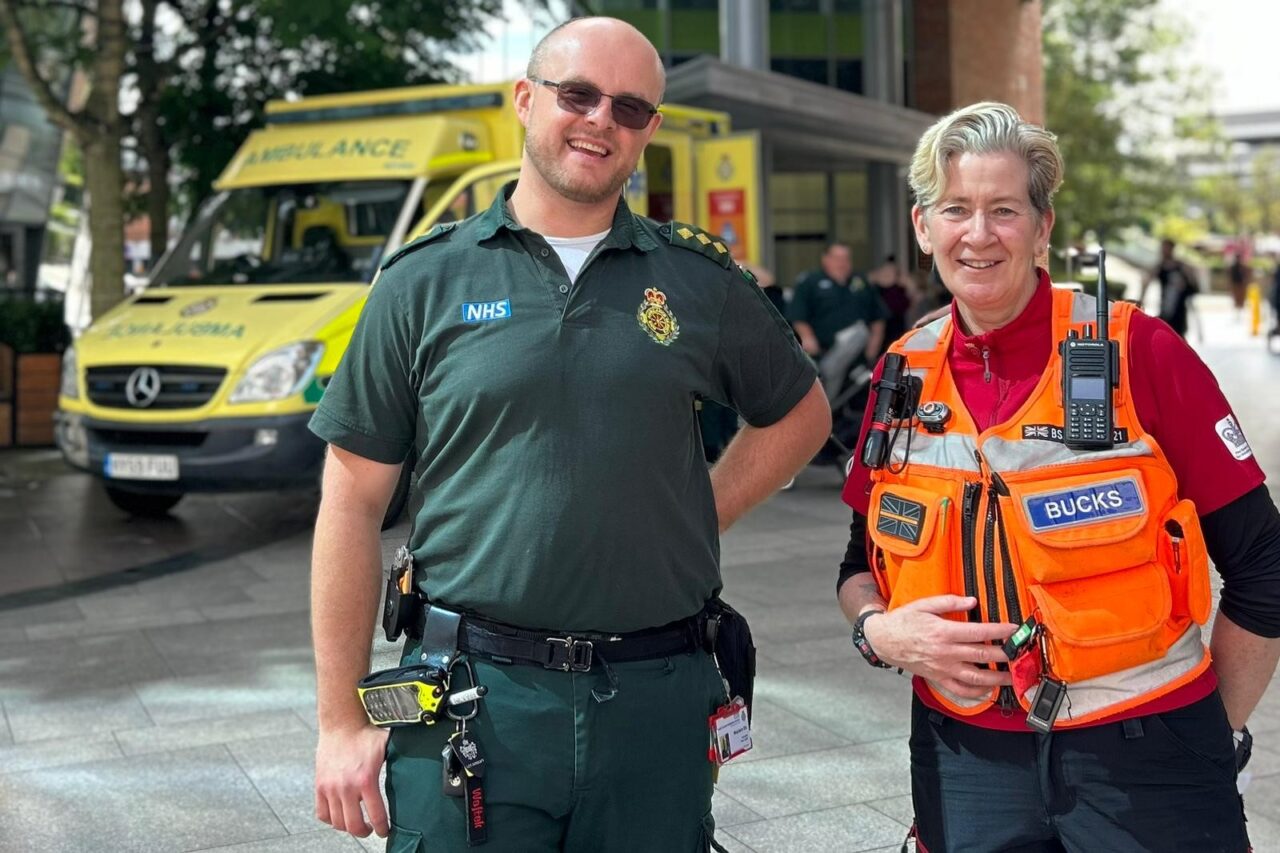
[728, 637]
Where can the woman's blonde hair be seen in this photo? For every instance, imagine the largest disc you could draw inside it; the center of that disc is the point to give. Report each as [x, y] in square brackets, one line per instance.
[986, 128]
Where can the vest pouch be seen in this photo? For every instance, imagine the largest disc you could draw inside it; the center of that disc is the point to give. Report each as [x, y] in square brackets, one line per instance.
[1183, 554]
[912, 530]
[1105, 623]
[1082, 525]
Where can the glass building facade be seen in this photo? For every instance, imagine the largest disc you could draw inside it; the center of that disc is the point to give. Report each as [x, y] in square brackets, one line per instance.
[820, 185]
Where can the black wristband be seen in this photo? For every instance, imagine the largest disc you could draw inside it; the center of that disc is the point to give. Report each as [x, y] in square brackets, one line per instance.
[860, 640]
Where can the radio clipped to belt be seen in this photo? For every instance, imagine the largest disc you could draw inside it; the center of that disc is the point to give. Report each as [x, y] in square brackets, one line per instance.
[412, 695]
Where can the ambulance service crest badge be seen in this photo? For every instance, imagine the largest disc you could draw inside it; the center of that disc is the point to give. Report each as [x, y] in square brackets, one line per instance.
[656, 318]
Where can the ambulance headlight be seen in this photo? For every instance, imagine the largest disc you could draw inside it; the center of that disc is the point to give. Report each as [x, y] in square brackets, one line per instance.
[280, 373]
[70, 387]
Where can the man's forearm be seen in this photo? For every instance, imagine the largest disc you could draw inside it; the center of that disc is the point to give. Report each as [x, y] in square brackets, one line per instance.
[1244, 663]
[346, 574]
[760, 460]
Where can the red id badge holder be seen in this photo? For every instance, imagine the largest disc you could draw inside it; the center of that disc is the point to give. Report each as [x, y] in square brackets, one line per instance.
[730, 732]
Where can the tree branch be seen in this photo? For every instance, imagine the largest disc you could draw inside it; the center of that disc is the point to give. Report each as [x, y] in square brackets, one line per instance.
[54, 108]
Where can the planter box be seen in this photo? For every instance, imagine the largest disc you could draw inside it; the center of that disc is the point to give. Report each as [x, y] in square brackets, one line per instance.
[36, 380]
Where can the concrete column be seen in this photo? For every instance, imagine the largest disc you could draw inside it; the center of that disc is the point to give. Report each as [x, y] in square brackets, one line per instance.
[882, 73]
[887, 212]
[744, 33]
[882, 57]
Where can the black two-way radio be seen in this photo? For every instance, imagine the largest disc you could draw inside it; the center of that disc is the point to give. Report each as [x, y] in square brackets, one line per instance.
[1090, 370]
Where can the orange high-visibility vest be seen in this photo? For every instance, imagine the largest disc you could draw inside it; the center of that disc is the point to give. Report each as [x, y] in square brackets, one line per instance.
[1095, 544]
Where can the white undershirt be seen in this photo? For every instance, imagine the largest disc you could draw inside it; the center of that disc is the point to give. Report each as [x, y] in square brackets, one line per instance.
[573, 251]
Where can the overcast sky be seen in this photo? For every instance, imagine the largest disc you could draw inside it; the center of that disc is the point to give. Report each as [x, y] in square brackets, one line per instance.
[1238, 40]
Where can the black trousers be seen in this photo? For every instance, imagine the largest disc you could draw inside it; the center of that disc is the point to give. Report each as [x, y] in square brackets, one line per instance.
[1163, 782]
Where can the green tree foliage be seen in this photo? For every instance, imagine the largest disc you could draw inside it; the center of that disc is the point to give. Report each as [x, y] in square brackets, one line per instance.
[268, 49]
[1122, 96]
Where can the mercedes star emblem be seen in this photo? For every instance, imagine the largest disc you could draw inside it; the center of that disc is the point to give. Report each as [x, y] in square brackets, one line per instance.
[143, 387]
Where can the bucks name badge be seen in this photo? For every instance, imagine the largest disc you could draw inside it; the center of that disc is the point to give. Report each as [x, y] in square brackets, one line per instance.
[656, 318]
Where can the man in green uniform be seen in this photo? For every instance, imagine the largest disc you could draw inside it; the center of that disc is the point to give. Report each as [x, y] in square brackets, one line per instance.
[832, 298]
[540, 363]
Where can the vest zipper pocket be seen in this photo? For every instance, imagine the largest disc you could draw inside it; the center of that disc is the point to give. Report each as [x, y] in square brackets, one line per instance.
[989, 558]
[968, 525]
[1010, 579]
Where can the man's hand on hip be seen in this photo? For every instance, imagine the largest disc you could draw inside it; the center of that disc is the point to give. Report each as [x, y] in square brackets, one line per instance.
[348, 763]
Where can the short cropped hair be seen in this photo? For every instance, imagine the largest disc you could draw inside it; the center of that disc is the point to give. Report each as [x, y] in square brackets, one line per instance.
[986, 128]
[538, 58]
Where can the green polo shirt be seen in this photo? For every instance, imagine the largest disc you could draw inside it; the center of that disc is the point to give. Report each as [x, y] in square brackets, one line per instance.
[829, 306]
[559, 477]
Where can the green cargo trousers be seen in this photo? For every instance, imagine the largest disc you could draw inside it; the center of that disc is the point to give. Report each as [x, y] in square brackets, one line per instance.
[567, 766]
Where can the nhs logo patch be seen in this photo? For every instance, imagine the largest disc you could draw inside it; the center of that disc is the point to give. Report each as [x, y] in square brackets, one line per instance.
[1069, 507]
[484, 312]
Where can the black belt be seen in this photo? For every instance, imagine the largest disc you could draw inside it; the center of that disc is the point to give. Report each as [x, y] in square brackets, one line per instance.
[572, 651]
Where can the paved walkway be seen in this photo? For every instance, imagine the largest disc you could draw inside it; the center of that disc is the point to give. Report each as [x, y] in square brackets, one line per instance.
[171, 707]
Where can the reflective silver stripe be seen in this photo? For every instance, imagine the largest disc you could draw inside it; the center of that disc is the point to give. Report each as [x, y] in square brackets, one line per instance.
[1097, 694]
[1003, 454]
[955, 451]
[1083, 308]
[926, 337]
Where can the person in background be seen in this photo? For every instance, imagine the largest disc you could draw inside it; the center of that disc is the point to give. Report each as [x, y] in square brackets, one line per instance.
[1238, 277]
[832, 298]
[1177, 288]
[899, 294]
[1049, 600]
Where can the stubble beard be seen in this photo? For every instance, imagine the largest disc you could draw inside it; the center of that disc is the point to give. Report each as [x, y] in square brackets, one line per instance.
[544, 160]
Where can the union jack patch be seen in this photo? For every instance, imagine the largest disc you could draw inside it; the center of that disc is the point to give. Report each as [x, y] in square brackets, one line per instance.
[900, 518]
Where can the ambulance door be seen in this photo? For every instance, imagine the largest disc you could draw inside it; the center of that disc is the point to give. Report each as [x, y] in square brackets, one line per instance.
[668, 162]
[728, 195]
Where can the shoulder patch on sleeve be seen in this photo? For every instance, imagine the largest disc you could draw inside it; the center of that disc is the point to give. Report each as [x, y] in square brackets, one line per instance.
[696, 240]
[414, 245]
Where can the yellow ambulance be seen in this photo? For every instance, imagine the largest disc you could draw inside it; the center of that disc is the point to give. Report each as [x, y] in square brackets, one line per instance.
[204, 381]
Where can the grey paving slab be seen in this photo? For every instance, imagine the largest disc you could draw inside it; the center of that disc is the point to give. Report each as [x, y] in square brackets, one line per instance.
[845, 697]
[188, 800]
[242, 727]
[77, 666]
[729, 812]
[170, 619]
[776, 731]
[11, 635]
[38, 614]
[282, 770]
[266, 687]
[300, 603]
[833, 648]
[1262, 797]
[793, 784]
[128, 603]
[102, 710]
[6, 737]
[57, 752]
[787, 622]
[847, 829]
[731, 844]
[898, 808]
[323, 841]
[237, 643]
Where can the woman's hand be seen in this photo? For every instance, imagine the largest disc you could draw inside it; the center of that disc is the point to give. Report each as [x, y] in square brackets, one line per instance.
[918, 638]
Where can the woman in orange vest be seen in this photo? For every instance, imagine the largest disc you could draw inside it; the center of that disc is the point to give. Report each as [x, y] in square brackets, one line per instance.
[1045, 578]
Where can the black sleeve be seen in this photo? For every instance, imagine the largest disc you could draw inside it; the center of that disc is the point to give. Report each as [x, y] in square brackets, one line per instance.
[855, 554]
[1243, 540]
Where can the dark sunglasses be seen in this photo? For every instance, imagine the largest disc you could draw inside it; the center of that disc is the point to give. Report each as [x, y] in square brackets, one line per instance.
[582, 98]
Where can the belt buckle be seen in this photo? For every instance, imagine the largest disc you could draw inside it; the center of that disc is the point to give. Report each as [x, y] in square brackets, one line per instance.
[576, 657]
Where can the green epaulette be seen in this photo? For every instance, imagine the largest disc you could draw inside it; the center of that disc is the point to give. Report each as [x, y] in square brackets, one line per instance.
[696, 240]
[414, 245]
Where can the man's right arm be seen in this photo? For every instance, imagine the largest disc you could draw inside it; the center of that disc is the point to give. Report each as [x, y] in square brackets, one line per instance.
[346, 574]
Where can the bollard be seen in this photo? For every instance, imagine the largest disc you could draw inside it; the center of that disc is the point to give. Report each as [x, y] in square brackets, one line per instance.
[1254, 298]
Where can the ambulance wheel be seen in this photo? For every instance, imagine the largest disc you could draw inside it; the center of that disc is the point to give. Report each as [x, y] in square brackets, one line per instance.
[400, 497]
[145, 504]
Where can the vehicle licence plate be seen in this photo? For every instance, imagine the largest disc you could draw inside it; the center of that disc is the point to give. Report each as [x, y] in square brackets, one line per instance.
[140, 466]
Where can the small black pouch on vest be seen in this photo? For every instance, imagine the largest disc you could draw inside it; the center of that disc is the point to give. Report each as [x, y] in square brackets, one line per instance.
[728, 637]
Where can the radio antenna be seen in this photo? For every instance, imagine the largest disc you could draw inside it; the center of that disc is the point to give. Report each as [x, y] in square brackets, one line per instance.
[1104, 309]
